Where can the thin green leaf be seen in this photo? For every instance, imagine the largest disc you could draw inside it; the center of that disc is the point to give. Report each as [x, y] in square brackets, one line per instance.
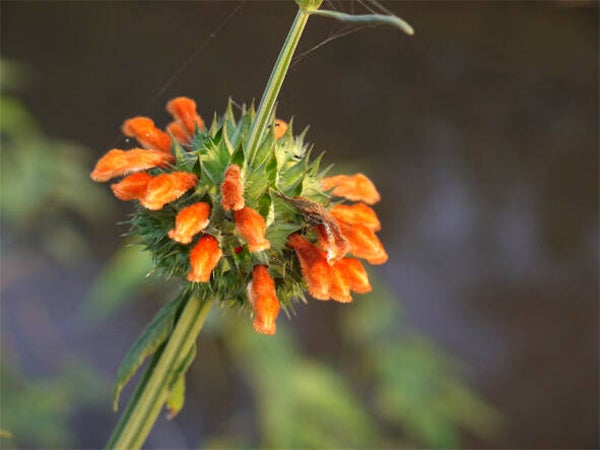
[153, 336]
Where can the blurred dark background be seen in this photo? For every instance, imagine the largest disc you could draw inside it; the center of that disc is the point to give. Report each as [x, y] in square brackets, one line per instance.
[481, 132]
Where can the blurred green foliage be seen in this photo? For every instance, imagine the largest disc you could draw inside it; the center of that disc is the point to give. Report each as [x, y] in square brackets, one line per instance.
[44, 181]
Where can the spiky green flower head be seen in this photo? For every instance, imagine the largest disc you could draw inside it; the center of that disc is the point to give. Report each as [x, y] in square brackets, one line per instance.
[255, 231]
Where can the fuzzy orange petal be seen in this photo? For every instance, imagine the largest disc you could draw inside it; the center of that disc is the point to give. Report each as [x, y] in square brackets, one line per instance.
[121, 162]
[355, 275]
[280, 128]
[183, 110]
[251, 226]
[315, 268]
[340, 288]
[357, 188]
[204, 257]
[364, 244]
[357, 213]
[178, 132]
[166, 188]
[263, 298]
[132, 187]
[190, 221]
[146, 133]
[232, 189]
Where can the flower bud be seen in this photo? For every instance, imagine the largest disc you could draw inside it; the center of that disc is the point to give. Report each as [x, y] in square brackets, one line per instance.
[251, 226]
[132, 187]
[146, 133]
[280, 128]
[183, 110]
[232, 189]
[357, 188]
[190, 221]
[204, 257]
[263, 299]
[121, 162]
[166, 188]
[358, 213]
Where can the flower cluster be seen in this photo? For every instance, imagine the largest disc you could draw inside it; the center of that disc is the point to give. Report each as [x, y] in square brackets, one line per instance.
[254, 231]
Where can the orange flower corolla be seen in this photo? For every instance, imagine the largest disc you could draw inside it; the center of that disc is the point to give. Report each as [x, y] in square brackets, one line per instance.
[280, 128]
[232, 189]
[263, 299]
[204, 257]
[146, 133]
[357, 188]
[166, 188]
[190, 221]
[315, 268]
[121, 162]
[183, 110]
[132, 187]
[251, 226]
[178, 133]
[359, 213]
[363, 243]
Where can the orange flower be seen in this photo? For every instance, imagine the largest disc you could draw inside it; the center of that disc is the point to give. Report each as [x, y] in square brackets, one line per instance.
[251, 226]
[146, 133]
[355, 275]
[358, 213]
[263, 298]
[355, 187]
[132, 187]
[178, 133]
[315, 268]
[363, 243]
[339, 289]
[183, 110]
[166, 188]
[232, 189]
[190, 221]
[120, 162]
[280, 128]
[204, 257]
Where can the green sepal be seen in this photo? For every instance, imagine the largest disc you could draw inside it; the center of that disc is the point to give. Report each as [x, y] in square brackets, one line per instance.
[242, 130]
[176, 398]
[153, 336]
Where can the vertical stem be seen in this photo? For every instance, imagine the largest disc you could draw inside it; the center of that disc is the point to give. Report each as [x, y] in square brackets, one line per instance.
[265, 109]
[133, 428]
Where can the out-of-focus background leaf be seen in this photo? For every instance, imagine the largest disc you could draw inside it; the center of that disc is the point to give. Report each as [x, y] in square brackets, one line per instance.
[482, 135]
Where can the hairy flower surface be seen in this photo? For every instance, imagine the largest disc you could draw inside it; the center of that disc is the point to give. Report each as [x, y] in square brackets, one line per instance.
[253, 232]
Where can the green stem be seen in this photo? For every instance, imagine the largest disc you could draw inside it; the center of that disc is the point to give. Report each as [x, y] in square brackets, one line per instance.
[145, 406]
[265, 109]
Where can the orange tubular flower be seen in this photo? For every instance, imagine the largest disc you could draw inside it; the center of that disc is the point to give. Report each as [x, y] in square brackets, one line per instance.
[251, 226]
[263, 298]
[280, 128]
[166, 188]
[364, 244]
[121, 162]
[357, 188]
[339, 289]
[204, 257]
[183, 110]
[315, 268]
[132, 187]
[358, 213]
[146, 133]
[190, 221]
[178, 133]
[232, 189]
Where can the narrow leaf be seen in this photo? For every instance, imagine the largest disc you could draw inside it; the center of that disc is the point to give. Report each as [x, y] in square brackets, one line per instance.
[153, 336]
